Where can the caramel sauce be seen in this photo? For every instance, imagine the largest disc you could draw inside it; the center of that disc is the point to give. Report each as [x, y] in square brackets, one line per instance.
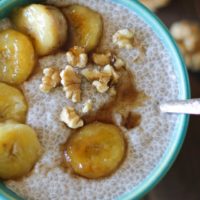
[127, 98]
[131, 121]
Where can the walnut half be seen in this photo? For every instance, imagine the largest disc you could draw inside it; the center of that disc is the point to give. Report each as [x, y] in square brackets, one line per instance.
[71, 84]
[50, 80]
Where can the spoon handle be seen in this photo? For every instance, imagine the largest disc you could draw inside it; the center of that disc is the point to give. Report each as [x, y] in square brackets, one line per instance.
[191, 106]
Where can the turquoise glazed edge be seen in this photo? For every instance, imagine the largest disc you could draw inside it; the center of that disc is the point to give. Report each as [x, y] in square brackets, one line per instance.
[7, 5]
[180, 130]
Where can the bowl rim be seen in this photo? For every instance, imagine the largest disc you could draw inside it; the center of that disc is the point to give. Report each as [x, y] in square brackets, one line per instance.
[181, 126]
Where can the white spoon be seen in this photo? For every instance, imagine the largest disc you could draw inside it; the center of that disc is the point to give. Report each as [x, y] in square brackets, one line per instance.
[191, 106]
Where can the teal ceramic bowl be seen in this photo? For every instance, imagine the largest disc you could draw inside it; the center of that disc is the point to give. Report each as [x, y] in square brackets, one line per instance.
[171, 153]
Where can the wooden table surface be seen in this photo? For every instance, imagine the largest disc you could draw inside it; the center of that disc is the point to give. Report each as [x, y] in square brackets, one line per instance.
[183, 180]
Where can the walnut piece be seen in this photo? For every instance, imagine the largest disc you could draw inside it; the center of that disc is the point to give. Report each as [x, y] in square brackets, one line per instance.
[106, 72]
[108, 75]
[50, 80]
[124, 38]
[91, 74]
[114, 76]
[101, 58]
[154, 4]
[118, 63]
[112, 91]
[187, 35]
[71, 118]
[71, 84]
[101, 78]
[77, 57]
[101, 85]
[87, 106]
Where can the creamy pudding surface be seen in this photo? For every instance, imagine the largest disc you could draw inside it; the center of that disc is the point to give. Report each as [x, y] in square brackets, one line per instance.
[147, 143]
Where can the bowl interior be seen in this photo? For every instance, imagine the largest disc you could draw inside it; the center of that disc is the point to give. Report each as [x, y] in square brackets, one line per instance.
[181, 126]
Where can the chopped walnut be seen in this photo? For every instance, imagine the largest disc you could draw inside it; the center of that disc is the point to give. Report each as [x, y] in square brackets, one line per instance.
[71, 84]
[117, 62]
[114, 76]
[91, 74]
[108, 74]
[77, 57]
[154, 4]
[101, 85]
[101, 59]
[87, 106]
[50, 80]
[187, 35]
[124, 38]
[71, 118]
[102, 78]
[99, 78]
[112, 91]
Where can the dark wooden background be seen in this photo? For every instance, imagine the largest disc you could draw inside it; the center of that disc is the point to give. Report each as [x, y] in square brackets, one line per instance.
[183, 180]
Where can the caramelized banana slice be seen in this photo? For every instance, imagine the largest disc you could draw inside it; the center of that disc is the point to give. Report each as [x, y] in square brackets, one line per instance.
[95, 151]
[45, 24]
[85, 26]
[17, 57]
[19, 150]
[12, 104]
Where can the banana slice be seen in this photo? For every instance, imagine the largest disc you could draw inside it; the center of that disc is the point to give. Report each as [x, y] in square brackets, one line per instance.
[12, 103]
[17, 57]
[45, 24]
[85, 26]
[19, 150]
[95, 151]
